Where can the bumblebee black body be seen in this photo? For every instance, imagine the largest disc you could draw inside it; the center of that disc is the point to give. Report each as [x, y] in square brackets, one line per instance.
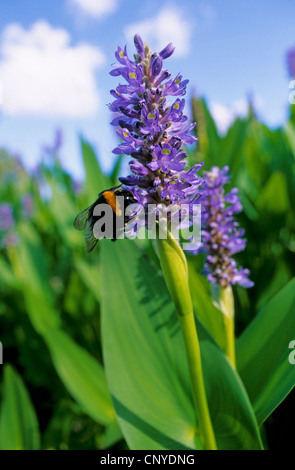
[86, 219]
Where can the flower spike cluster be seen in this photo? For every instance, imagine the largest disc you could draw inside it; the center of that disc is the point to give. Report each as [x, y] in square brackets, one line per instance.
[152, 129]
[221, 235]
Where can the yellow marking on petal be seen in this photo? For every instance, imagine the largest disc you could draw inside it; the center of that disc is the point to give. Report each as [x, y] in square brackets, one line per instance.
[121, 54]
[117, 93]
[176, 106]
[125, 134]
[166, 152]
[177, 81]
[151, 115]
[132, 75]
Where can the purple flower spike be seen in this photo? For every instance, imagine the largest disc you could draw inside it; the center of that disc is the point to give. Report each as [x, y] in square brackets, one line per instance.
[6, 217]
[221, 235]
[152, 129]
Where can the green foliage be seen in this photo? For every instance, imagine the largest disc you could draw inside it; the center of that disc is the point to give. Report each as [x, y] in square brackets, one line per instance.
[147, 368]
[81, 374]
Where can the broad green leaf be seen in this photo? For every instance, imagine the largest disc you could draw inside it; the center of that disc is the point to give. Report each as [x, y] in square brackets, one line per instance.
[248, 206]
[64, 212]
[281, 277]
[112, 435]
[91, 276]
[208, 139]
[116, 170]
[210, 316]
[146, 364]
[42, 315]
[29, 260]
[230, 150]
[82, 375]
[290, 133]
[30, 267]
[96, 181]
[256, 157]
[263, 350]
[7, 276]
[19, 429]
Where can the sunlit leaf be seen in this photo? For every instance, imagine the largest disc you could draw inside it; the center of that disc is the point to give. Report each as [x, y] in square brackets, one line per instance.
[146, 364]
[263, 351]
[96, 181]
[82, 375]
[19, 429]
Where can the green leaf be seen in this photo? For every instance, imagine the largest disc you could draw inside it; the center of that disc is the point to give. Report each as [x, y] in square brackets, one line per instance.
[290, 133]
[146, 363]
[230, 150]
[7, 276]
[206, 131]
[274, 196]
[29, 260]
[19, 429]
[42, 315]
[116, 169]
[280, 278]
[64, 212]
[82, 375]
[112, 435]
[96, 181]
[263, 350]
[210, 316]
[90, 274]
[30, 266]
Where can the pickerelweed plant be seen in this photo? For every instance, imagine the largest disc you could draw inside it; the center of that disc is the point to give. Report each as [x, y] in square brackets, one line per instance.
[221, 239]
[154, 132]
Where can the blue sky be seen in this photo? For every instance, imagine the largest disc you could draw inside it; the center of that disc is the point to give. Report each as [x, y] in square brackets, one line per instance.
[55, 59]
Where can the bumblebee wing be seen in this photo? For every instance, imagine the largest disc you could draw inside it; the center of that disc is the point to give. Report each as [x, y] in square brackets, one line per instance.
[82, 219]
[90, 239]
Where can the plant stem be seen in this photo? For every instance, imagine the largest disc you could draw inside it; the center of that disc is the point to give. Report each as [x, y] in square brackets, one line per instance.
[230, 341]
[224, 301]
[174, 267]
[192, 347]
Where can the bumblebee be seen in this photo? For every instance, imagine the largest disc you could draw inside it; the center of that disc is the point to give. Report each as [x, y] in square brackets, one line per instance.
[87, 219]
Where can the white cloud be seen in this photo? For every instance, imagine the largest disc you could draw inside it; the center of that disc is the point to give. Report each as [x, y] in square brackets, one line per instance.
[224, 116]
[42, 74]
[95, 8]
[168, 26]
